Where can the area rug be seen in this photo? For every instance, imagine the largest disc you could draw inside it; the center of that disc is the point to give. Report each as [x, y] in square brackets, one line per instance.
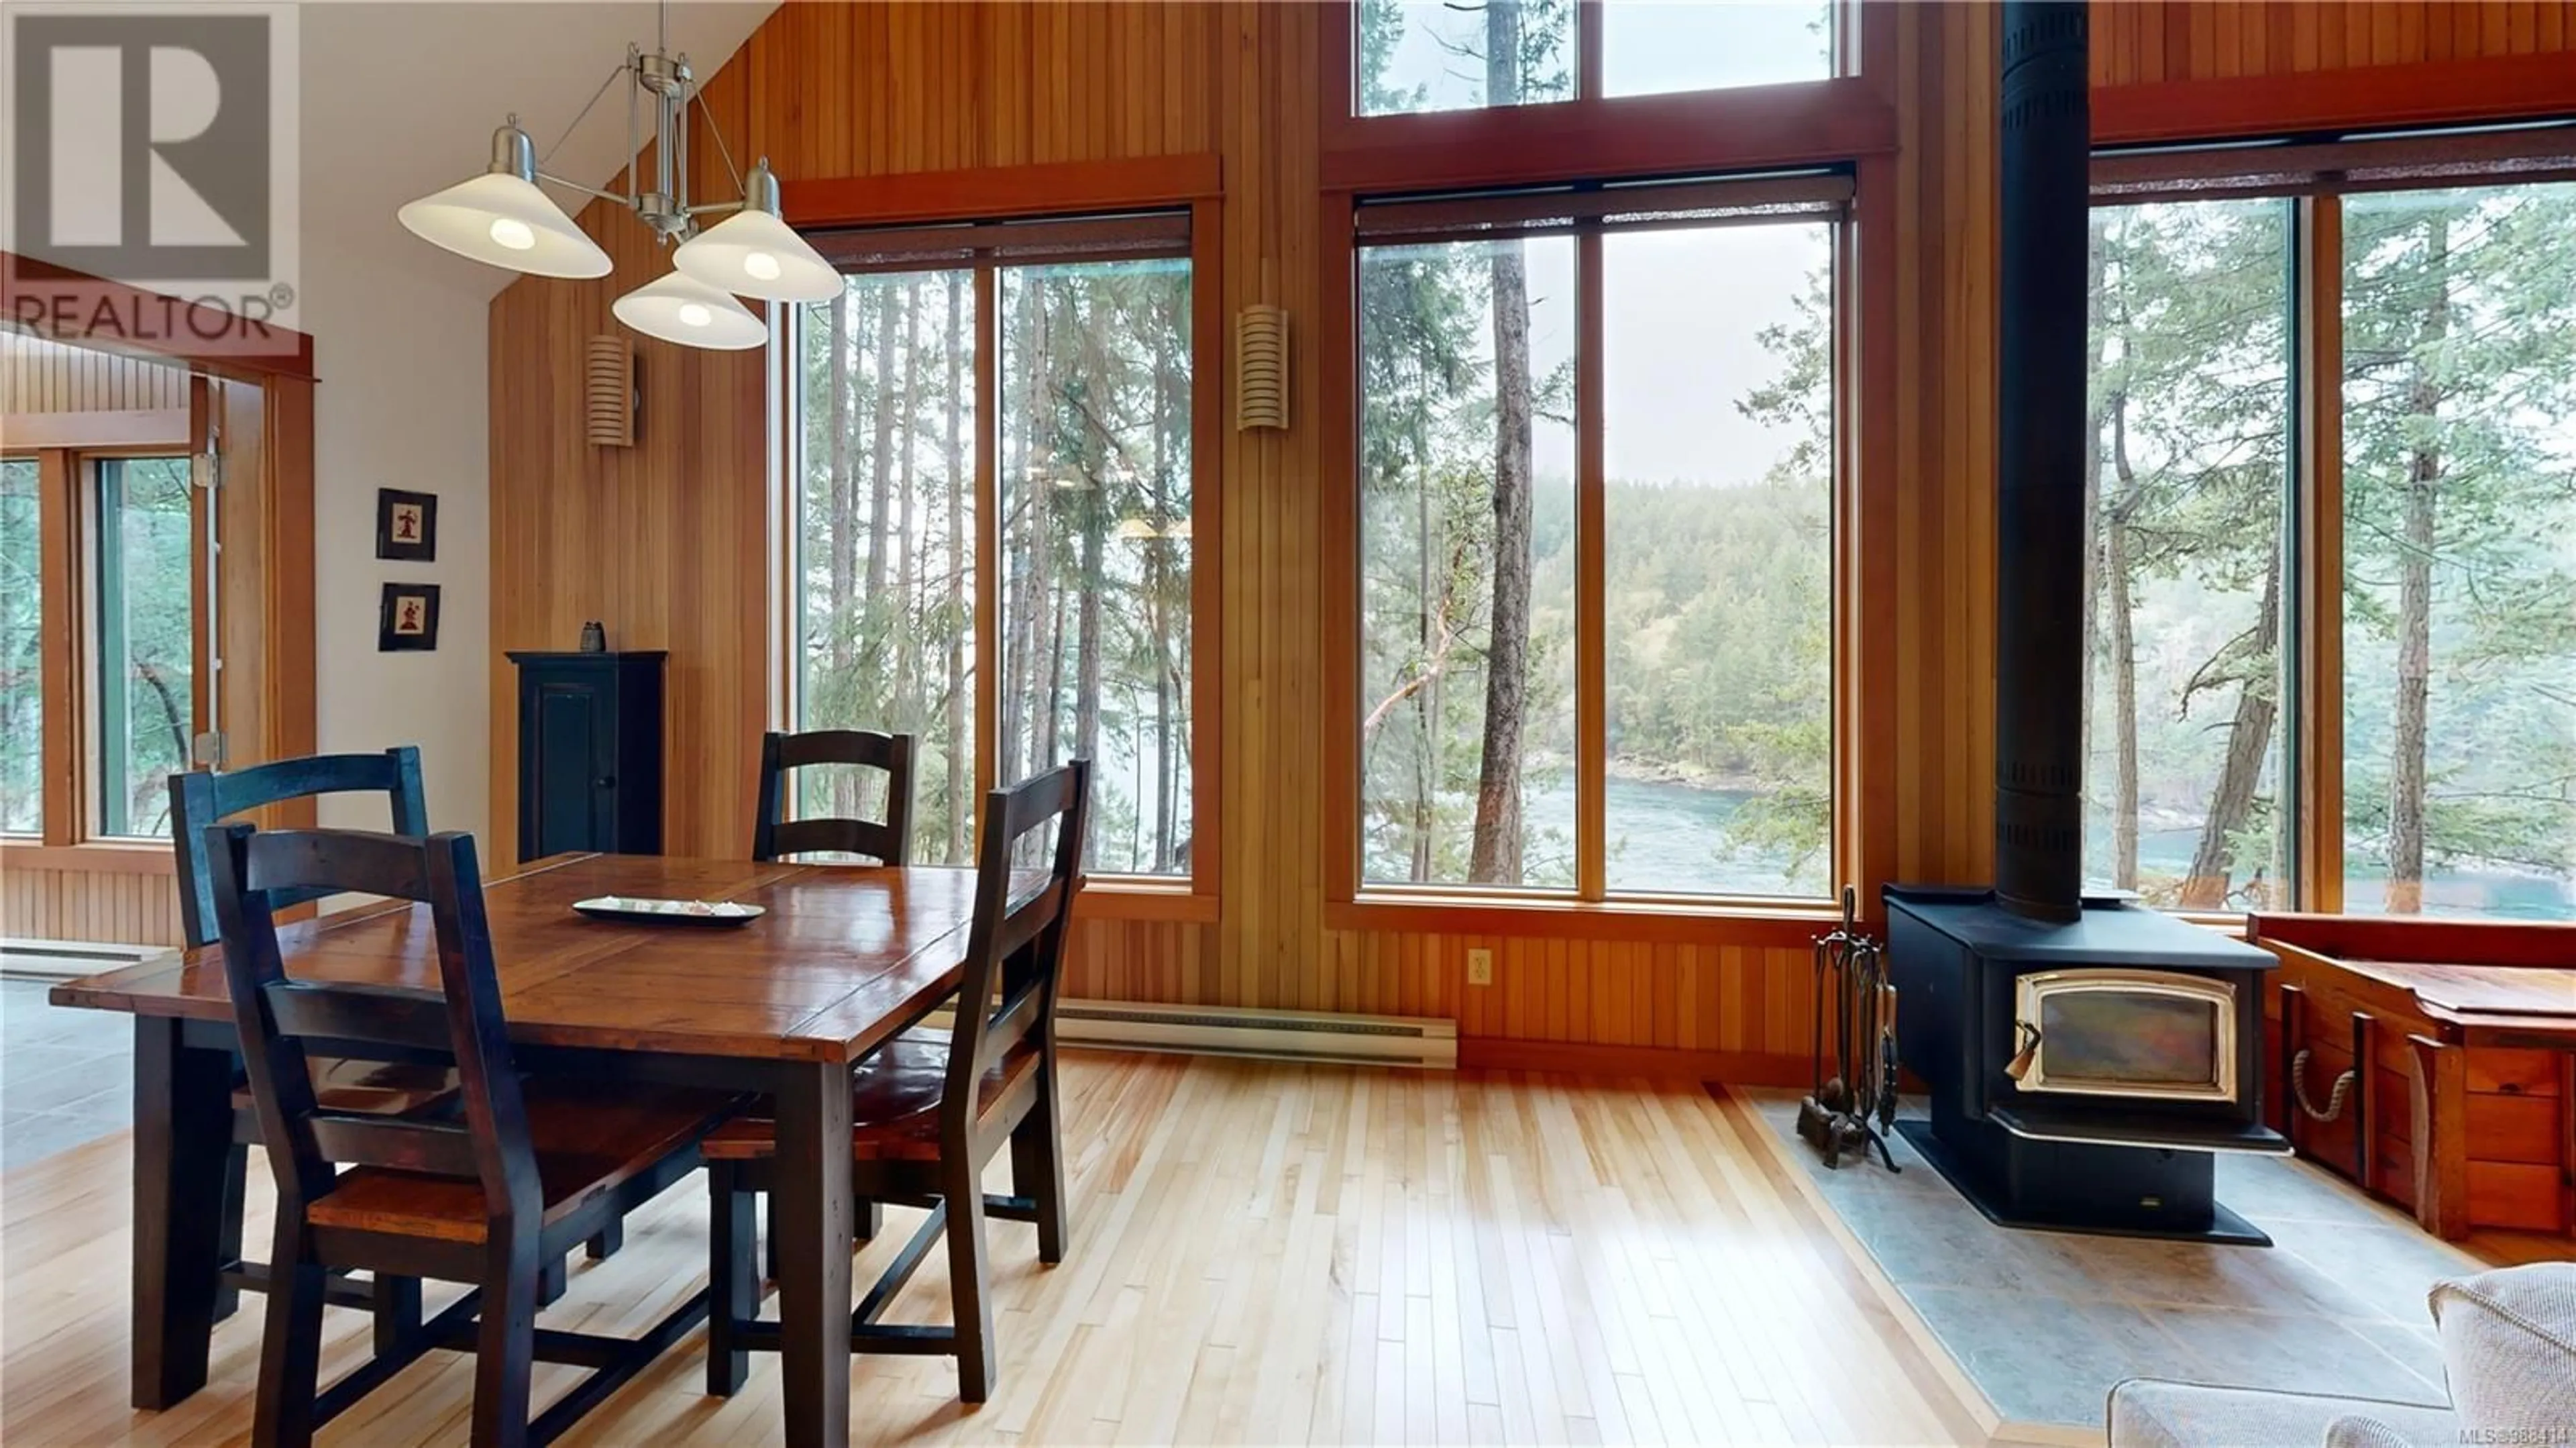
[2043, 1323]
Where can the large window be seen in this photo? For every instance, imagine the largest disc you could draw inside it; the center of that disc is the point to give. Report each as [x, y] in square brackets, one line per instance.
[22, 648]
[1467, 561]
[103, 566]
[887, 524]
[2436, 347]
[1565, 435]
[2188, 479]
[2459, 528]
[1074, 639]
[1438, 55]
[1095, 505]
[145, 626]
[1718, 580]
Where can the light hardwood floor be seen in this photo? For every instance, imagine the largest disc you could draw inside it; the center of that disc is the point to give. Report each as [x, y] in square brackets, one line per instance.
[1261, 1253]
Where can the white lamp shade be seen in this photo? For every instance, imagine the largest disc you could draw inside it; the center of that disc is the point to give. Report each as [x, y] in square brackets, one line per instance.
[680, 308]
[758, 255]
[501, 220]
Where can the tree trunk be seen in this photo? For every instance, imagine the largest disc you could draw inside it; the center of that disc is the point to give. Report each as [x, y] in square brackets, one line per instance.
[2097, 268]
[840, 489]
[881, 623]
[1050, 752]
[1019, 527]
[956, 630]
[1043, 687]
[1496, 851]
[2124, 656]
[2249, 742]
[1428, 775]
[906, 711]
[1157, 610]
[839, 484]
[2415, 588]
[1094, 518]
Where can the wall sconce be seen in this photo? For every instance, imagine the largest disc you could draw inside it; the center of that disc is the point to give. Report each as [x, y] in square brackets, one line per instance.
[1261, 368]
[611, 393]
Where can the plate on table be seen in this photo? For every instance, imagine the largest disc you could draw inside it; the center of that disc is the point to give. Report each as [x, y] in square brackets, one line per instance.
[636, 910]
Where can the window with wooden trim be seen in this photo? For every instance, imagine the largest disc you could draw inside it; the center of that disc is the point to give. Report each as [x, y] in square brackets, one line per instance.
[1438, 55]
[2459, 557]
[1595, 539]
[145, 556]
[2335, 531]
[2189, 479]
[993, 540]
[22, 647]
[104, 564]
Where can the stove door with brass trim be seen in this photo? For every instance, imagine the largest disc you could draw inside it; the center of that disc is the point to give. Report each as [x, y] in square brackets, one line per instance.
[2143, 1034]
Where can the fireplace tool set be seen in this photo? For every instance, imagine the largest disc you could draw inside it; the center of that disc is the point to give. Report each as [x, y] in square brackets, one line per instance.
[1852, 1109]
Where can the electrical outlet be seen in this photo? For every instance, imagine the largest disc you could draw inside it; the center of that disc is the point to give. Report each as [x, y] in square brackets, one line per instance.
[1480, 967]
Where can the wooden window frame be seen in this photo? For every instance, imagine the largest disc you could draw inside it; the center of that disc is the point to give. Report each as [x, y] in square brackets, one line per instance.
[2315, 630]
[1848, 120]
[2313, 521]
[1191, 183]
[90, 481]
[66, 461]
[1594, 135]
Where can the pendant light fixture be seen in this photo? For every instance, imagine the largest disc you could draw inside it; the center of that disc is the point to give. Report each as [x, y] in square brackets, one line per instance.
[501, 218]
[756, 253]
[679, 308]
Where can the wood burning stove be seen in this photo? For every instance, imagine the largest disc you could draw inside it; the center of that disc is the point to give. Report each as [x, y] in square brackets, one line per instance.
[2082, 1073]
[2085, 1057]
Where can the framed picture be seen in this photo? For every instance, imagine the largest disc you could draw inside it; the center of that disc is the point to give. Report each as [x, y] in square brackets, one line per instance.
[408, 618]
[406, 525]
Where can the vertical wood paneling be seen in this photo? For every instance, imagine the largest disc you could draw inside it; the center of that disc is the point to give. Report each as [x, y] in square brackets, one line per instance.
[41, 376]
[666, 542]
[2146, 41]
[119, 906]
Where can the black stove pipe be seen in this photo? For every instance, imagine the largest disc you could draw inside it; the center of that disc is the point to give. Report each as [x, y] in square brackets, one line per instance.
[2039, 514]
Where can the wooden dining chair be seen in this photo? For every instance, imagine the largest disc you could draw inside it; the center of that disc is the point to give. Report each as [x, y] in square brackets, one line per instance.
[479, 1188]
[887, 841]
[204, 797]
[199, 798]
[928, 1113]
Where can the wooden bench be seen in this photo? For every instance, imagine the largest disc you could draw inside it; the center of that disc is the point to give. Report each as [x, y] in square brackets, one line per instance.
[2466, 1113]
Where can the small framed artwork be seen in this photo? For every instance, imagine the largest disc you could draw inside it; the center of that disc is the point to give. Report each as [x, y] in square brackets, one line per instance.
[408, 618]
[406, 525]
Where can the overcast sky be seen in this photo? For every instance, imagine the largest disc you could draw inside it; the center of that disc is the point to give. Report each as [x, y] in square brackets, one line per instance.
[1683, 309]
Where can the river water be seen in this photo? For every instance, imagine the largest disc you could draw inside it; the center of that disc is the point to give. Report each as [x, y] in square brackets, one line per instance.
[1670, 836]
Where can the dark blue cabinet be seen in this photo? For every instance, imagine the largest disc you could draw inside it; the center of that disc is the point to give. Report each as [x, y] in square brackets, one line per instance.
[590, 752]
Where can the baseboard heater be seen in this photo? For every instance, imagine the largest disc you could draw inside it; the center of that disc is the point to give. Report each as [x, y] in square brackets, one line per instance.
[69, 959]
[1317, 1036]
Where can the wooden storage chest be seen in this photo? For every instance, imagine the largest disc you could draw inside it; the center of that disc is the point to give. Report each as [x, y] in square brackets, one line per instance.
[2465, 1113]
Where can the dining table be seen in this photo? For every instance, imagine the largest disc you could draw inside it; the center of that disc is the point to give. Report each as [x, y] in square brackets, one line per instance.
[842, 959]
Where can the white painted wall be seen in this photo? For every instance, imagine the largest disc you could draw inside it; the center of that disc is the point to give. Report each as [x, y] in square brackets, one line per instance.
[399, 336]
